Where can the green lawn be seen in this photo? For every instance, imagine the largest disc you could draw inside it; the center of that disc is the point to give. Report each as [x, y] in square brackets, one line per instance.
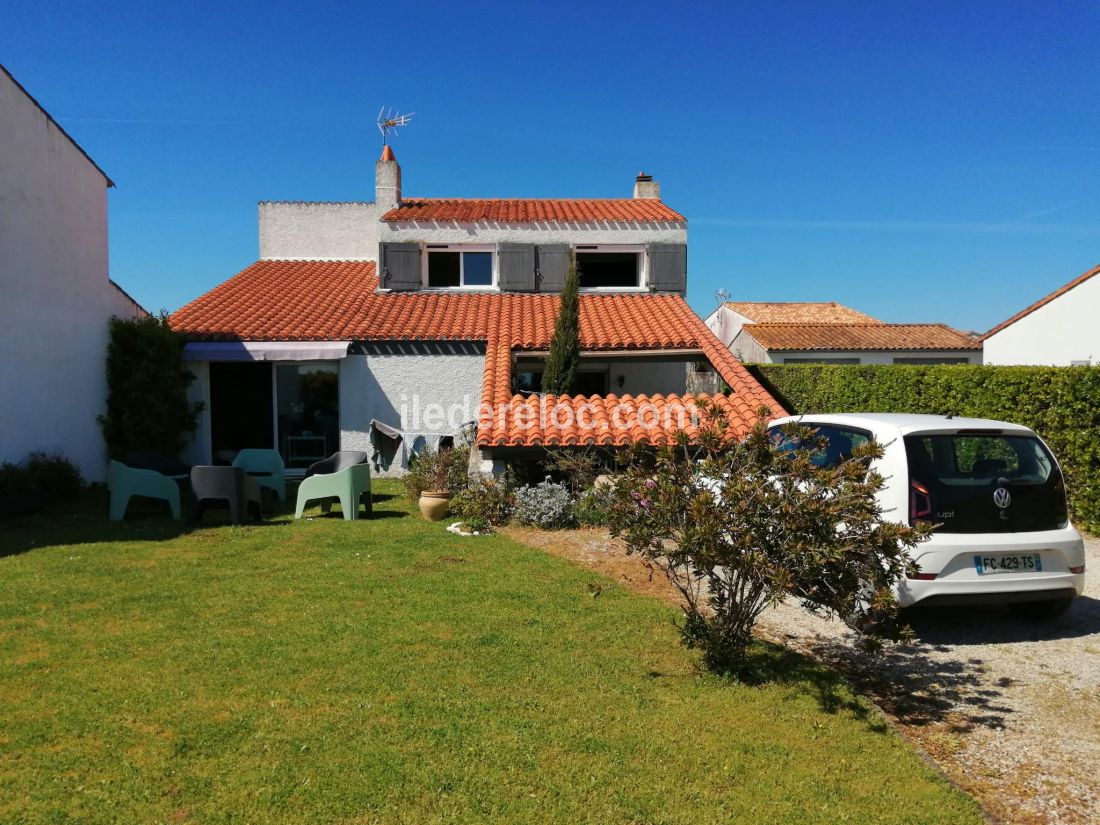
[388, 671]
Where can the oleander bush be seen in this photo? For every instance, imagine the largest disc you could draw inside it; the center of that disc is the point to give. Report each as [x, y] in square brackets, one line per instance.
[547, 505]
[1062, 404]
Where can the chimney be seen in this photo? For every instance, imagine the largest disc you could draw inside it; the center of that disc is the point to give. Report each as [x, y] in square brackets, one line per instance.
[387, 180]
[646, 187]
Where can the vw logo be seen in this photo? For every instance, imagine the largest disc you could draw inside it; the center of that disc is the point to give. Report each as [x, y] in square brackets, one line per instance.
[1002, 498]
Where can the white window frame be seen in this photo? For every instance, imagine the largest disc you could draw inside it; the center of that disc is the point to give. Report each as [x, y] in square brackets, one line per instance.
[643, 264]
[429, 248]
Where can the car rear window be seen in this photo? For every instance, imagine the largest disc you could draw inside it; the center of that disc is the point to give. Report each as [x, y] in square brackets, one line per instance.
[984, 483]
[839, 443]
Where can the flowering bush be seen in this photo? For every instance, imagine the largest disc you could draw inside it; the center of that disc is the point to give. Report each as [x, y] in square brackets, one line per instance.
[547, 505]
[740, 525]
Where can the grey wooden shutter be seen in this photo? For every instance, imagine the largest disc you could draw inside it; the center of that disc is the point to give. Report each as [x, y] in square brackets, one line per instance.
[667, 267]
[553, 264]
[517, 267]
[400, 266]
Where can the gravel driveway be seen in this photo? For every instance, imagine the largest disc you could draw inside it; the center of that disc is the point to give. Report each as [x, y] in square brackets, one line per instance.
[1010, 710]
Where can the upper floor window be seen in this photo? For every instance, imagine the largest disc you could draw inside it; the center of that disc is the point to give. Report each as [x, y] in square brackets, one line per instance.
[451, 266]
[610, 267]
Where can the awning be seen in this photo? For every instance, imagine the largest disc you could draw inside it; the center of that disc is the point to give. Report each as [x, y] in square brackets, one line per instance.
[265, 350]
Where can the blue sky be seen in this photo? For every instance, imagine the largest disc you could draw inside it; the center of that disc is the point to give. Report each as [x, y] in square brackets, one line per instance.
[933, 161]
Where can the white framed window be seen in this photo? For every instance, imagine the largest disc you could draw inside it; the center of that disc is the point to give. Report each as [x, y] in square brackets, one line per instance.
[611, 266]
[459, 266]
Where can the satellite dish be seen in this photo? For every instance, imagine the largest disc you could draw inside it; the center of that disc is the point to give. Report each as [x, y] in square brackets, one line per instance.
[389, 121]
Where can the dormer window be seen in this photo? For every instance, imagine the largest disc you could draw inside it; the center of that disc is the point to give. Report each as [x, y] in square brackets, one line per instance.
[458, 266]
[610, 266]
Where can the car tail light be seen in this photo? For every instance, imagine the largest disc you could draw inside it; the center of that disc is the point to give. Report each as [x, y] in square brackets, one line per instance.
[1078, 569]
[920, 501]
[924, 577]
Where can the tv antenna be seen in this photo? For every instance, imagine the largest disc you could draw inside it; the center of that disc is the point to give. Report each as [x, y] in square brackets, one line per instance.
[721, 296]
[389, 120]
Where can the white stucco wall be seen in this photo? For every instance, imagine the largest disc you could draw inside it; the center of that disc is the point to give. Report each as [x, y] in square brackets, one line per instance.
[726, 324]
[1056, 334]
[319, 231]
[56, 295]
[424, 388]
[199, 450]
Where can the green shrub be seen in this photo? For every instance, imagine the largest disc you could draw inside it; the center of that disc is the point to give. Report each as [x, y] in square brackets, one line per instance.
[147, 405]
[52, 476]
[1062, 404]
[487, 501]
[447, 470]
[594, 506]
[14, 479]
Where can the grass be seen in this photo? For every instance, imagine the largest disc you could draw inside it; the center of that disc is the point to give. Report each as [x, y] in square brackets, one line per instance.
[388, 671]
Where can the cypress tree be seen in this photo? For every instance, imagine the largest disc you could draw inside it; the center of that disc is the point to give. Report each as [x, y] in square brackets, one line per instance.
[565, 347]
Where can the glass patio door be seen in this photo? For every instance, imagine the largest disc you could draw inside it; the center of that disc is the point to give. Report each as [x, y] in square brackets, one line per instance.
[307, 403]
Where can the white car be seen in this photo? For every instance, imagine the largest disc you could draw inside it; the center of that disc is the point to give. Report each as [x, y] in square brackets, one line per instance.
[997, 494]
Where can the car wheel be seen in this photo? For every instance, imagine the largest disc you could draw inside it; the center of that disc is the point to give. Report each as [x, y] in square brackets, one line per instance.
[1044, 610]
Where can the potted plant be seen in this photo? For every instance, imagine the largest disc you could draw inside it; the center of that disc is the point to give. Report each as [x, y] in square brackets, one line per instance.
[435, 499]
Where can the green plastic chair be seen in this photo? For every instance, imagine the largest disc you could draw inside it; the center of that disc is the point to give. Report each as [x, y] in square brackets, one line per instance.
[266, 466]
[351, 485]
[126, 482]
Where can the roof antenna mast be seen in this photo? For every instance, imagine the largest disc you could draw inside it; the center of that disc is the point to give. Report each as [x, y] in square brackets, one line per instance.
[389, 121]
[721, 296]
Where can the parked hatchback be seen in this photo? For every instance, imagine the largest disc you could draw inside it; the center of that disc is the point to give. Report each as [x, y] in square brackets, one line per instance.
[996, 494]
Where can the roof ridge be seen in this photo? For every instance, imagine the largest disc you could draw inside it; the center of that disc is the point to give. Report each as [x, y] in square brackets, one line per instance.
[1042, 302]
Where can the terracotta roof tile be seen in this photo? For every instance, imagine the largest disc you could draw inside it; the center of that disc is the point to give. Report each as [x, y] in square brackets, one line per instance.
[336, 300]
[799, 312]
[878, 336]
[532, 210]
[1080, 279]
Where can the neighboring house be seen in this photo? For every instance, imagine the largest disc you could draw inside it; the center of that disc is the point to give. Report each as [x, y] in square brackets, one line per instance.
[424, 314]
[830, 333]
[1059, 330]
[57, 297]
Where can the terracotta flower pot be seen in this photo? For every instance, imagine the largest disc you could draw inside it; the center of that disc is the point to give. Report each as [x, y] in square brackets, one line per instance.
[434, 504]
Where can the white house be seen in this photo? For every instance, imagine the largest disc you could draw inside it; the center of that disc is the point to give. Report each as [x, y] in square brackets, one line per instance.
[1059, 330]
[56, 295]
[405, 318]
[775, 332]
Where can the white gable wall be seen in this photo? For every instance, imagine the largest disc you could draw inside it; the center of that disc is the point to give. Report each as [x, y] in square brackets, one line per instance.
[57, 298]
[1056, 334]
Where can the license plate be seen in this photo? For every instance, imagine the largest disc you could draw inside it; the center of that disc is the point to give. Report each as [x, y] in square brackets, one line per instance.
[1027, 563]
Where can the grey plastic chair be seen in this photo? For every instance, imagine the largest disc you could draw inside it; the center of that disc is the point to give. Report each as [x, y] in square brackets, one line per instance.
[229, 484]
[337, 462]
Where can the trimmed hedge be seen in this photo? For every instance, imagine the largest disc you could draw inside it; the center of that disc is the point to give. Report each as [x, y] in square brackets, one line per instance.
[1062, 404]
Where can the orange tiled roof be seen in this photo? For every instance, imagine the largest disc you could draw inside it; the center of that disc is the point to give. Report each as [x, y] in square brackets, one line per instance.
[877, 336]
[799, 312]
[534, 210]
[336, 300]
[1080, 279]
